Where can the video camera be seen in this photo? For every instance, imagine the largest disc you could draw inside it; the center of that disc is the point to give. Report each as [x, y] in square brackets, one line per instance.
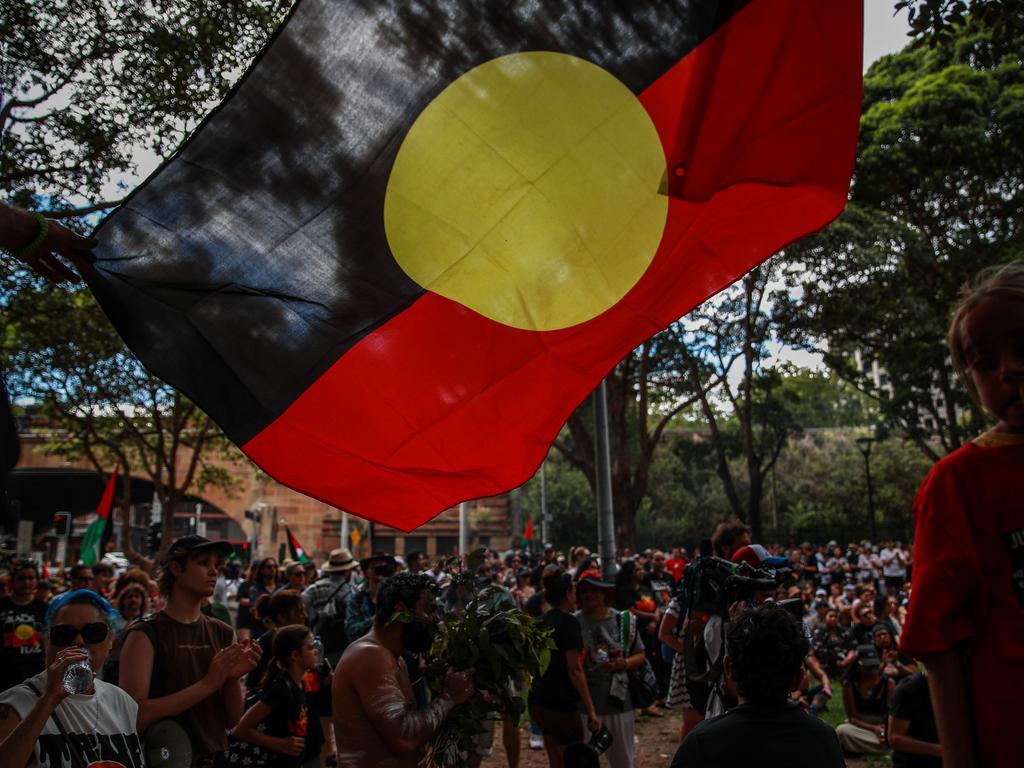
[713, 584]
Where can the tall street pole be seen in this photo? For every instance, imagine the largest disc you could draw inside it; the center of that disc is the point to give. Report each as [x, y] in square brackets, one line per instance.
[463, 529]
[544, 539]
[603, 469]
[864, 444]
[344, 530]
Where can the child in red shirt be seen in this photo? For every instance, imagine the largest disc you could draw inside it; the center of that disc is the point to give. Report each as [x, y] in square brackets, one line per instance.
[966, 615]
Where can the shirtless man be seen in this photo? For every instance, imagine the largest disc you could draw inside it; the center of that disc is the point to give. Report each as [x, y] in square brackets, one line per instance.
[376, 720]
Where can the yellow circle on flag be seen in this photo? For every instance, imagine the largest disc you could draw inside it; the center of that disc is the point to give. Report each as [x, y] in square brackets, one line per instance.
[24, 632]
[529, 191]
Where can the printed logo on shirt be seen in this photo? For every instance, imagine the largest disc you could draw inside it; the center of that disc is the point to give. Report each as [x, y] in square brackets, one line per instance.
[300, 726]
[116, 750]
[1015, 542]
[20, 632]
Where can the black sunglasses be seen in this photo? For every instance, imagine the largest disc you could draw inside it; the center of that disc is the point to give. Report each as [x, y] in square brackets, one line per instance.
[63, 635]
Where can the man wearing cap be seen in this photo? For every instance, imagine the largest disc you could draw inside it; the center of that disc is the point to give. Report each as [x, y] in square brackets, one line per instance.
[363, 603]
[183, 665]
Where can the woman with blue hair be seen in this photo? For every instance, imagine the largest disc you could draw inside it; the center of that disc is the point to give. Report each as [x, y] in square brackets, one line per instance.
[42, 725]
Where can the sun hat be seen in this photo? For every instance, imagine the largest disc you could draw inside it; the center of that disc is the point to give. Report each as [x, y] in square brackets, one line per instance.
[339, 561]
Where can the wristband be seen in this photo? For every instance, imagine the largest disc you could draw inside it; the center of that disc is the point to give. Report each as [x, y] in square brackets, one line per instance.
[43, 231]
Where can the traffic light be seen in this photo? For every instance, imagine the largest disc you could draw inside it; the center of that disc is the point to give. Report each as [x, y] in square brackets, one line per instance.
[62, 523]
[153, 536]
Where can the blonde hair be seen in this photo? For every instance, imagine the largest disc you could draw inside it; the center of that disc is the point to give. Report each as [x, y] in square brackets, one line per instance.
[1005, 279]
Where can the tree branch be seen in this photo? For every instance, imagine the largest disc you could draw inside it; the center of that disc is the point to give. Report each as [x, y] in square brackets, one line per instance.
[71, 213]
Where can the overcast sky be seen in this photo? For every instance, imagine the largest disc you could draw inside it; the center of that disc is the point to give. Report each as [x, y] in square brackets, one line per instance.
[883, 33]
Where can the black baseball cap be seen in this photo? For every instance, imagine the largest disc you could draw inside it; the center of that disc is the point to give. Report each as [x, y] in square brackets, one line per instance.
[192, 543]
[867, 656]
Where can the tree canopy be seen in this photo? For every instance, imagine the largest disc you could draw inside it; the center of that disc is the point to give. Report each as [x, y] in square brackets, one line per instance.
[89, 85]
[937, 195]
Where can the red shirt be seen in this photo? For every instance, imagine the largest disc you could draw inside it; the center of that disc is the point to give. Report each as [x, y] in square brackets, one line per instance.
[968, 584]
[675, 566]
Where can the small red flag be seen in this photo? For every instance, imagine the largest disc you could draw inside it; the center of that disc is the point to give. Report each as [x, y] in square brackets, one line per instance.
[528, 533]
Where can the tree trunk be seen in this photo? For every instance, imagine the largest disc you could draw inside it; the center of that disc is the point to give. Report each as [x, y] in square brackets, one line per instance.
[754, 502]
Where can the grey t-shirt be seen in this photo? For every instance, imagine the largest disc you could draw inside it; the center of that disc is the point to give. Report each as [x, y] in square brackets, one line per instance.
[605, 635]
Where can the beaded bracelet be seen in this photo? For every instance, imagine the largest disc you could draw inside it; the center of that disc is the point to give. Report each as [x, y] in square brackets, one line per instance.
[44, 229]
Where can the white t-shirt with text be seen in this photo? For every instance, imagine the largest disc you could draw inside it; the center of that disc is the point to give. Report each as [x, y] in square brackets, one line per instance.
[100, 727]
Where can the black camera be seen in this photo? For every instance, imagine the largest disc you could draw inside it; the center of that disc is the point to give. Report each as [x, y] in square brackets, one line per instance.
[713, 584]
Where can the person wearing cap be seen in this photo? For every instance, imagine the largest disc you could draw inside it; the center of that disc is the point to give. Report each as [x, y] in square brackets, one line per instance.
[605, 663]
[22, 615]
[362, 605]
[867, 697]
[181, 664]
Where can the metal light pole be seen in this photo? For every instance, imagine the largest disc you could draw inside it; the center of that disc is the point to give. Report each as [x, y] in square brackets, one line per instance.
[603, 468]
[344, 531]
[463, 529]
[544, 539]
[864, 444]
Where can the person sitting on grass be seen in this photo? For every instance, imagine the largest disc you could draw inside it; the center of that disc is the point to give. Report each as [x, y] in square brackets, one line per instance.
[867, 696]
[764, 658]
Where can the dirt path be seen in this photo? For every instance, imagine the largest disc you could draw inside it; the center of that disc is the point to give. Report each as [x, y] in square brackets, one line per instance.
[655, 740]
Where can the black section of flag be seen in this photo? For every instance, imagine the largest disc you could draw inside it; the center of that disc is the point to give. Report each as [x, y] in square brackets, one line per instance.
[253, 259]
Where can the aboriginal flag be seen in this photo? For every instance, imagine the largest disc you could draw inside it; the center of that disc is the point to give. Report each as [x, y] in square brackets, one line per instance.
[417, 234]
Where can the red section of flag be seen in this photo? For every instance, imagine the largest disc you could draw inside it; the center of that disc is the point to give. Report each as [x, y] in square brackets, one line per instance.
[759, 126]
[528, 532]
[107, 499]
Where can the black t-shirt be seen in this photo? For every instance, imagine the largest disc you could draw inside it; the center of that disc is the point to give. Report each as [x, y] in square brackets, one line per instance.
[554, 690]
[912, 702]
[661, 587]
[291, 715]
[22, 655]
[753, 735]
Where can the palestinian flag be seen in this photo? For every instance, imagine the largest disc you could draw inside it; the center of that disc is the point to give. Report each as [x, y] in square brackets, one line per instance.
[416, 235]
[97, 533]
[298, 554]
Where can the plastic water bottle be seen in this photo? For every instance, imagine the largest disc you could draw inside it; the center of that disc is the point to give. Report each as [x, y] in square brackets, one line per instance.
[78, 676]
[318, 649]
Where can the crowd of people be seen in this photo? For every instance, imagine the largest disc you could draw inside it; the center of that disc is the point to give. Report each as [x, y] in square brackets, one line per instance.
[248, 661]
[295, 665]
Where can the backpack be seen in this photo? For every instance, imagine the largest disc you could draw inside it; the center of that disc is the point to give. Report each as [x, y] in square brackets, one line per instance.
[330, 623]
